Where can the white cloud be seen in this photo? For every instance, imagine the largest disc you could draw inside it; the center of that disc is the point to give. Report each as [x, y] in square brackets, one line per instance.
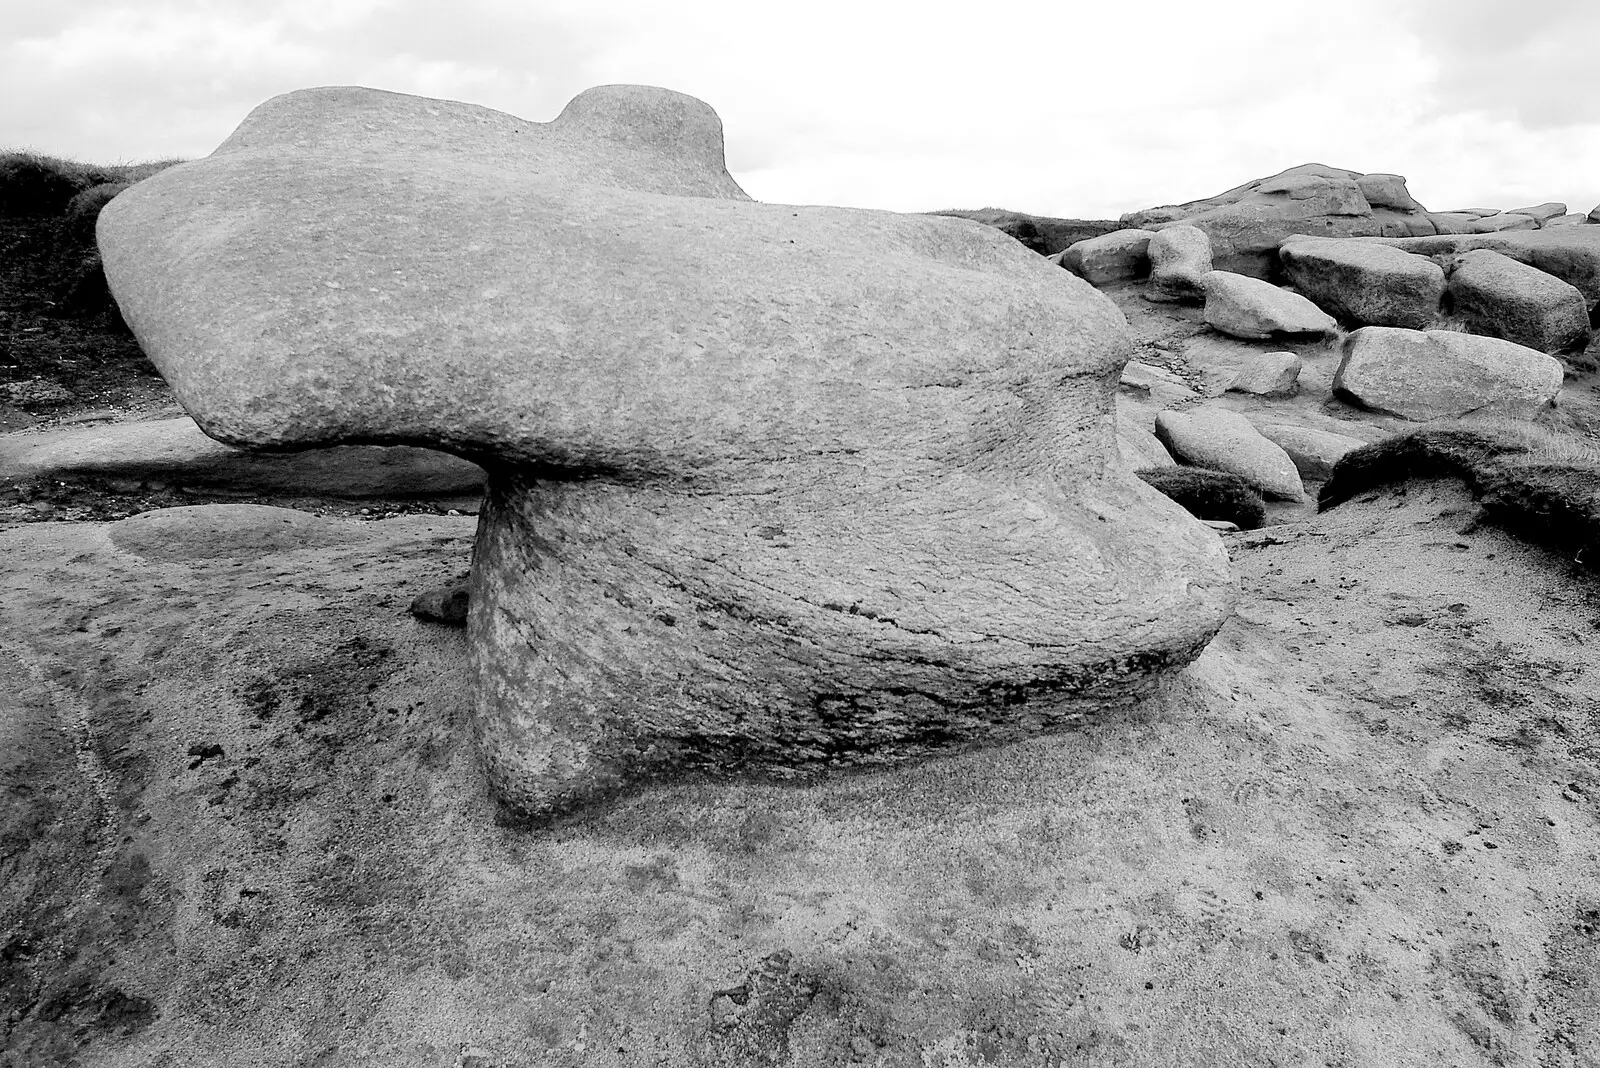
[1066, 108]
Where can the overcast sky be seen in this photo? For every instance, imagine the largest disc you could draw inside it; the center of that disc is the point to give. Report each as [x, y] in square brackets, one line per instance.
[1079, 109]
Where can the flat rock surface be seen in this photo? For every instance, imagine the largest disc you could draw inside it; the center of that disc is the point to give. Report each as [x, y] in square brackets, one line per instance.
[175, 451]
[245, 827]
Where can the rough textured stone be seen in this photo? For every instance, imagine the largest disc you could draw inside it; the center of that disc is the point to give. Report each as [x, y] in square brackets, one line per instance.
[1594, 214]
[1246, 224]
[1140, 448]
[1574, 219]
[1387, 191]
[1226, 441]
[1451, 222]
[1180, 258]
[1155, 384]
[1116, 257]
[1268, 374]
[176, 452]
[1364, 281]
[1250, 308]
[1314, 452]
[1045, 235]
[1498, 296]
[1493, 224]
[1571, 253]
[1439, 374]
[1541, 213]
[771, 487]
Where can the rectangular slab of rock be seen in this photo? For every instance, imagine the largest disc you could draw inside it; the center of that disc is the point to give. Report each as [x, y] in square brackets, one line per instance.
[1268, 374]
[1541, 213]
[1364, 281]
[1500, 297]
[1246, 307]
[1113, 257]
[1440, 374]
[1314, 452]
[1506, 220]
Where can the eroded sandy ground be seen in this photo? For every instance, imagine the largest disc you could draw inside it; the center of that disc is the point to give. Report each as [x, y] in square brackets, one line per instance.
[243, 826]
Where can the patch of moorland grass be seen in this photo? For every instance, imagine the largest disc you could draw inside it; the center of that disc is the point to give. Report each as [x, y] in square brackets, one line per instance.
[1208, 494]
[1538, 482]
[36, 185]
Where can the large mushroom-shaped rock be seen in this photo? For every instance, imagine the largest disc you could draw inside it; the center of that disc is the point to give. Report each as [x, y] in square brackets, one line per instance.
[1241, 306]
[1248, 223]
[1364, 281]
[1501, 297]
[1441, 374]
[1180, 259]
[1114, 257]
[769, 487]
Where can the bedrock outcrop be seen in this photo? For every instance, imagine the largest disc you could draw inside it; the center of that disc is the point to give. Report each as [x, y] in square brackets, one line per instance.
[770, 487]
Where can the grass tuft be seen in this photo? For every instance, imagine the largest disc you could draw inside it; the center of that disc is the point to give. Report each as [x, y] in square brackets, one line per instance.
[1532, 481]
[1208, 494]
[34, 185]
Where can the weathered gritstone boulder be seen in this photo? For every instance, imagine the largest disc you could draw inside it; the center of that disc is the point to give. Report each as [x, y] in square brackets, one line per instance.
[1541, 213]
[1115, 257]
[1571, 253]
[1506, 220]
[1440, 374]
[1180, 258]
[1387, 191]
[770, 487]
[1576, 218]
[1364, 281]
[1313, 451]
[1268, 374]
[1498, 296]
[1247, 224]
[1246, 307]
[1226, 441]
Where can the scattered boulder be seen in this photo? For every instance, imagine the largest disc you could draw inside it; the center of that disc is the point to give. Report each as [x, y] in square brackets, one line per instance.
[1246, 307]
[1571, 253]
[1043, 234]
[1363, 281]
[1574, 219]
[1116, 257]
[1210, 496]
[1314, 452]
[1439, 374]
[445, 604]
[1226, 441]
[1268, 374]
[1498, 296]
[1180, 258]
[1156, 384]
[1493, 224]
[786, 428]
[1541, 213]
[1247, 224]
